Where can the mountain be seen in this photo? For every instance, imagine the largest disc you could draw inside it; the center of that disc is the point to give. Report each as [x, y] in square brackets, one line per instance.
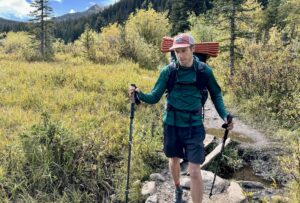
[5, 21]
[72, 16]
[11, 25]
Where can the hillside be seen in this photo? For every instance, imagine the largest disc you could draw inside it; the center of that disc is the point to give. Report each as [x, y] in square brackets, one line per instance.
[73, 16]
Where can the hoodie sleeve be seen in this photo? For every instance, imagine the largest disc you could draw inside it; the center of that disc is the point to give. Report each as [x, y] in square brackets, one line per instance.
[158, 89]
[215, 93]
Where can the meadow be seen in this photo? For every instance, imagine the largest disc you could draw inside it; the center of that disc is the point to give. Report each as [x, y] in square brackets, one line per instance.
[88, 106]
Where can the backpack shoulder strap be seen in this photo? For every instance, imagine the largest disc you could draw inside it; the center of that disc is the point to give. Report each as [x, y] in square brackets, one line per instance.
[172, 69]
[201, 78]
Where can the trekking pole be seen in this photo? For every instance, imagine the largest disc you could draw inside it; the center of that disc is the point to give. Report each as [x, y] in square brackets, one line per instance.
[225, 126]
[133, 100]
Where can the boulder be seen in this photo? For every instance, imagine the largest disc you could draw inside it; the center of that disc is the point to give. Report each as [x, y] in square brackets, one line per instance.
[251, 185]
[148, 188]
[235, 193]
[152, 199]
[219, 186]
[157, 177]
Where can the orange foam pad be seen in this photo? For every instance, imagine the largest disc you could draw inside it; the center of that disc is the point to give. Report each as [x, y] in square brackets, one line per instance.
[209, 48]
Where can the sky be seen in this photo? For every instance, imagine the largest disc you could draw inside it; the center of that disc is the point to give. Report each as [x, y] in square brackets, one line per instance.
[19, 9]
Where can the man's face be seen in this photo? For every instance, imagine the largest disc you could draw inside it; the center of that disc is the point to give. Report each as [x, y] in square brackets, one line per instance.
[185, 56]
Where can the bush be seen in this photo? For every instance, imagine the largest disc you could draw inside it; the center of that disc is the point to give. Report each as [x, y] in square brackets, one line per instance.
[143, 33]
[108, 45]
[291, 162]
[271, 71]
[18, 45]
[57, 161]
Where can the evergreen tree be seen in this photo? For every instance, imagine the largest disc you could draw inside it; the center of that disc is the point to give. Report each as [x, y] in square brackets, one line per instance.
[271, 18]
[233, 13]
[87, 40]
[178, 16]
[179, 11]
[42, 27]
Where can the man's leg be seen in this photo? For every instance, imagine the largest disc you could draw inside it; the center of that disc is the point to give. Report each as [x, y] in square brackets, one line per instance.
[174, 166]
[196, 183]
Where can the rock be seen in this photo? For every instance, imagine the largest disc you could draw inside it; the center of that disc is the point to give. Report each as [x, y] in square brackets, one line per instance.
[251, 185]
[278, 198]
[148, 188]
[264, 194]
[152, 199]
[235, 193]
[157, 177]
[185, 182]
[220, 184]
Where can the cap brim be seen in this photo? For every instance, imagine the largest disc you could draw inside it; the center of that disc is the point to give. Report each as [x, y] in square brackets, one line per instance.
[179, 46]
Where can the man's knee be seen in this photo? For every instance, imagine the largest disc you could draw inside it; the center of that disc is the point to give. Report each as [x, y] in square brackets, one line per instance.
[174, 161]
[195, 172]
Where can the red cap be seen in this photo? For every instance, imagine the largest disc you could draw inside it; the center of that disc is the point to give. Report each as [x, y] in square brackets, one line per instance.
[182, 40]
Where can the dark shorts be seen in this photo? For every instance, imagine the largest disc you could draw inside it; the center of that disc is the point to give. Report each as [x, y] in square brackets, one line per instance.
[179, 142]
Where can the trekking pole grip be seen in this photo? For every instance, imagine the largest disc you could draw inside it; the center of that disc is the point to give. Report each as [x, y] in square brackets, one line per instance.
[229, 120]
[135, 98]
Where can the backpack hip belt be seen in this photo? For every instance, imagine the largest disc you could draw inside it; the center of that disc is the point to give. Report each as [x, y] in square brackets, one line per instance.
[191, 113]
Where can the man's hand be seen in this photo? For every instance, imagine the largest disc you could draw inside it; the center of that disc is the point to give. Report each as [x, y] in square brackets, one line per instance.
[228, 122]
[229, 125]
[132, 94]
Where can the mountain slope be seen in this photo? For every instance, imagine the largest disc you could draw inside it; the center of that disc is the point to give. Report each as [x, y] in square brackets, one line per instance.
[72, 16]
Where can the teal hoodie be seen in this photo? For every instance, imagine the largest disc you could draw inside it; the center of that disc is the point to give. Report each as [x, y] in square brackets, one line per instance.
[185, 97]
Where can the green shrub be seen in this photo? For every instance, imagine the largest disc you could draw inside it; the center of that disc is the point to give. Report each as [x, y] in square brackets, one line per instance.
[290, 163]
[57, 161]
[271, 71]
[143, 33]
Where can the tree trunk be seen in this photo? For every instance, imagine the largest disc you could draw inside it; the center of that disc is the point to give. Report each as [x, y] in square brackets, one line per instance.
[232, 37]
[42, 30]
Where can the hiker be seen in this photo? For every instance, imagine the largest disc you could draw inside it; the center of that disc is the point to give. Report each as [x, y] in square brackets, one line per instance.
[184, 132]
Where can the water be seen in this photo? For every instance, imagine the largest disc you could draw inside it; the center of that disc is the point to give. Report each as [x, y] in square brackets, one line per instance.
[247, 174]
[238, 137]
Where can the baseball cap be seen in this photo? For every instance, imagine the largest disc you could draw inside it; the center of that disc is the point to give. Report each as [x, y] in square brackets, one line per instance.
[182, 40]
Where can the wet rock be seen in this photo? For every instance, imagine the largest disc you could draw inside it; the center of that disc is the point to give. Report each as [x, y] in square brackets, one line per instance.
[148, 188]
[265, 163]
[219, 186]
[235, 193]
[264, 194]
[157, 177]
[278, 198]
[251, 185]
[152, 199]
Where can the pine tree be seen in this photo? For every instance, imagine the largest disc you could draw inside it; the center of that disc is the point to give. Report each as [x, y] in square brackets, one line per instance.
[88, 38]
[180, 10]
[42, 28]
[234, 13]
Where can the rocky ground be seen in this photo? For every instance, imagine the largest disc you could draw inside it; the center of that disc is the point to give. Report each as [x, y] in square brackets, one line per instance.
[260, 155]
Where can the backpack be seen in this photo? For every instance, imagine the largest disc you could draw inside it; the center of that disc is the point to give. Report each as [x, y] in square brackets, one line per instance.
[200, 83]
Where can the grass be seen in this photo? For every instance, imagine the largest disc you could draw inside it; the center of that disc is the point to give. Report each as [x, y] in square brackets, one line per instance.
[89, 101]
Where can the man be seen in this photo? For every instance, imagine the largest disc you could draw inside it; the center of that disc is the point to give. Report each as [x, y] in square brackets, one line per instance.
[183, 123]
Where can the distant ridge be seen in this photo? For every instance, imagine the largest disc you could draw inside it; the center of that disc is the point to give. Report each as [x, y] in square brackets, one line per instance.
[72, 16]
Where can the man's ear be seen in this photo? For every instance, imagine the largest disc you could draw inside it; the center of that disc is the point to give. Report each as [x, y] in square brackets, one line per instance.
[193, 48]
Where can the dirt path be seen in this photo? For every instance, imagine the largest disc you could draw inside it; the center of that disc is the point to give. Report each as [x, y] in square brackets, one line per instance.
[212, 120]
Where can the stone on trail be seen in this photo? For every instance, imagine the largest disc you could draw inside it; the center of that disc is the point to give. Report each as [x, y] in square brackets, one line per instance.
[149, 188]
[152, 199]
[219, 186]
[235, 193]
[157, 177]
